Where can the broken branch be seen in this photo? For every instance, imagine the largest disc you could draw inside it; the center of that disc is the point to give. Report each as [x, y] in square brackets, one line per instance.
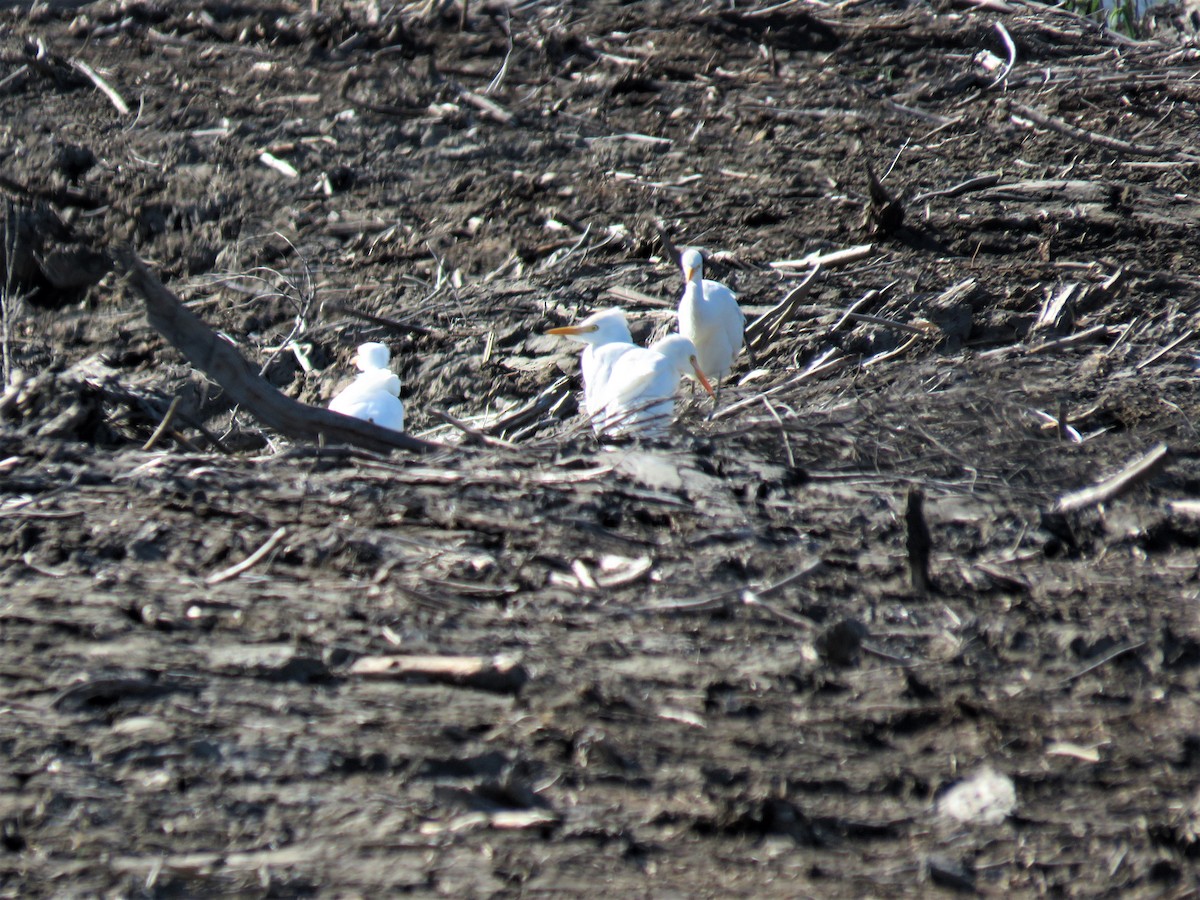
[235, 570]
[1139, 470]
[222, 362]
[500, 673]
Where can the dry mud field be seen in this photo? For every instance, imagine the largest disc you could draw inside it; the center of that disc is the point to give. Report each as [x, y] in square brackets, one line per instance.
[528, 663]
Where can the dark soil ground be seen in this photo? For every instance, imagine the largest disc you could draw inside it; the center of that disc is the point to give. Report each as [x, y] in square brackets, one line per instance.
[680, 704]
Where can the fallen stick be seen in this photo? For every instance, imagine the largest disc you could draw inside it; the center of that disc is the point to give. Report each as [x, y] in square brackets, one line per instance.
[886, 323]
[1136, 472]
[727, 596]
[488, 107]
[980, 183]
[163, 425]
[103, 86]
[1095, 139]
[546, 401]
[282, 166]
[823, 366]
[1103, 661]
[1186, 336]
[766, 327]
[235, 570]
[751, 599]
[499, 673]
[829, 260]
[1012, 54]
[473, 435]
[629, 295]
[1189, 509]
[222, 362]
[394, 324]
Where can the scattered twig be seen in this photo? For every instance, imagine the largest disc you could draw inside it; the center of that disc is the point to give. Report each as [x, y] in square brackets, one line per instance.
[1070, 340]
[163, 425]
[1146, 466]
[545, 402]
[720, 600]
[892, 354]
[1117, 145]
[1065, 190]
[1187, 335]
[750, 598]
[763, 330]
[488, 107]
[1103, 661]
[235, 570]
[980, 183]
[503, 674]
[1055, 312]
[1189, 509]
[192, 422]
[922, 114]
[821, 366]
[887, 323]
[104, 87]
[878, 653]
[787, 444]
[852, 310]
[990, 5]
[498, 79]
[394, 324]
[15, 75]
[474, 435]
[282, 166]
[631, 296]
[999, 28]
[827, 260]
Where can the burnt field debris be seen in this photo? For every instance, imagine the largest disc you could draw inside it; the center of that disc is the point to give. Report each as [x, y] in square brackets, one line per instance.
[912, 609]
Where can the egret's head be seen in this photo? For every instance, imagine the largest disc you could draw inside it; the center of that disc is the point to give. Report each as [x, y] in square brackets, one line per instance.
[605, 327]
[682, 354]
[372, 355]
[692, 264]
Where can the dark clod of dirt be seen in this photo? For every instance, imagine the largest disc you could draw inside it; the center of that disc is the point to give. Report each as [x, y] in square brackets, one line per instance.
[839, 644]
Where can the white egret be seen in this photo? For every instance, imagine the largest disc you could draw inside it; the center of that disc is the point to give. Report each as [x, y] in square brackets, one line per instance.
[605, 336]
[709, 315]
[639, 397]
[374, 394]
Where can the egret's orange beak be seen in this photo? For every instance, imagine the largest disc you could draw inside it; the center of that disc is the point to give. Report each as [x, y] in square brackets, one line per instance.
[700, 377]
[571, 329]
[688, 273]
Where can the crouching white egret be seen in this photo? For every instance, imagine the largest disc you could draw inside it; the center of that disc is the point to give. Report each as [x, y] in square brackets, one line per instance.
[374, 395]
[606, 338]
[639, 398]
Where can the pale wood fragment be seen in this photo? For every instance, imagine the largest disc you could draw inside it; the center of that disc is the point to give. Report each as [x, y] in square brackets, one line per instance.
[1142, 468]
[492, 673]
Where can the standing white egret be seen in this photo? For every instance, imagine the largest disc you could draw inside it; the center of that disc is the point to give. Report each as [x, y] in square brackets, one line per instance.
[374, 394]
[640, 395]
[606, 338]
[710, 316]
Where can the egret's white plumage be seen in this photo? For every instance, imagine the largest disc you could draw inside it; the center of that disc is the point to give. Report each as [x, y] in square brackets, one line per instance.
[606, 338]
[639, 397]
[710, 317]
[374, 394]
